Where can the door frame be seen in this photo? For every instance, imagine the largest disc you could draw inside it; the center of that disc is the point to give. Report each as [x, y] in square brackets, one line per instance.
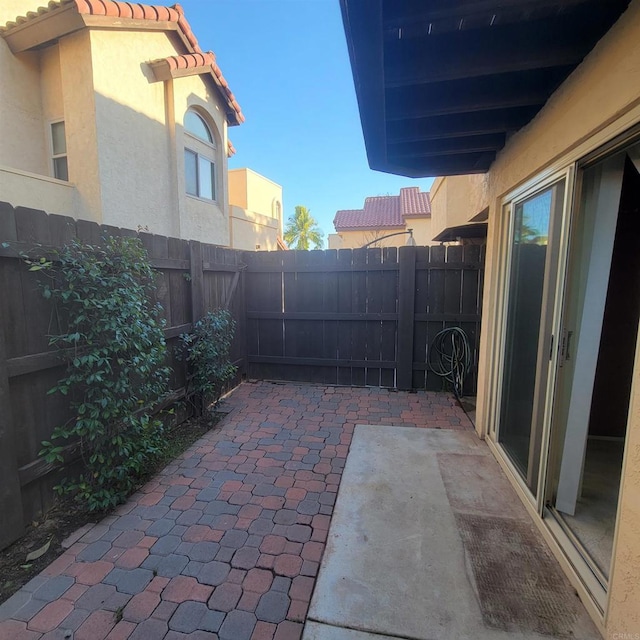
[544, 385]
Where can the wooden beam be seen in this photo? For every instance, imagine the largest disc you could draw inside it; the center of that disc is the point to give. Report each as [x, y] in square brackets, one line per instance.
[456, 125]
[453, 165]
[470, 64]
[524, 89]
[447, 146]
[315, 316]
[420, 12]
[322, 362]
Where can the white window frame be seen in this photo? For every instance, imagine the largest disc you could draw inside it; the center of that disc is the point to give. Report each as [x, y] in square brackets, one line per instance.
[203, 150]
[57, 156]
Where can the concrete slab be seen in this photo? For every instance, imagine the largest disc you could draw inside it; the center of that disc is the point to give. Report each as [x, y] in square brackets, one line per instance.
[395, 563]
[317, 631]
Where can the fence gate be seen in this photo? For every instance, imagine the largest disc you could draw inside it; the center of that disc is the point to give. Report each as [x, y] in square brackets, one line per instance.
[360, 316]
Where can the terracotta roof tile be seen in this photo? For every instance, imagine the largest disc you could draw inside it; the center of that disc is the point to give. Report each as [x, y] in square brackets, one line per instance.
[139, 11]
[385, 212]
[414, 202]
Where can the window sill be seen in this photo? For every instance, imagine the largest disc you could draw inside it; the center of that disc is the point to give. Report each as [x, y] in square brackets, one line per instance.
[205, 200]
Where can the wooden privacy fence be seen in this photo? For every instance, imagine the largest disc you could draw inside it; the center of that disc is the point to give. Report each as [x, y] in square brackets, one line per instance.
[193, 278]
[350, 317]
[361, 316]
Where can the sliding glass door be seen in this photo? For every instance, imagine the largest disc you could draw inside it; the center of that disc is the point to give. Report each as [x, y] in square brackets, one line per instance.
[533, 259]
[600, 330]
[569, 330]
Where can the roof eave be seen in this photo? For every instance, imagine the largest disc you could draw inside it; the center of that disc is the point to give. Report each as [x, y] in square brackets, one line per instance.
[44, 29]
[162, 70]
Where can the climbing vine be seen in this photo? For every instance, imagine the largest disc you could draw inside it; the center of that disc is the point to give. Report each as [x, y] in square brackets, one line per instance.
[111, 333]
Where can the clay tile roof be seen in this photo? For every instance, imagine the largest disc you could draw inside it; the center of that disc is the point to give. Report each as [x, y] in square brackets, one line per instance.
[385, 212]
[231, 150]
[414, 202]
[156, 13]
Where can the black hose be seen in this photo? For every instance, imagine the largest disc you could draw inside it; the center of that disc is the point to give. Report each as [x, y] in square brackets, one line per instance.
[450, 357]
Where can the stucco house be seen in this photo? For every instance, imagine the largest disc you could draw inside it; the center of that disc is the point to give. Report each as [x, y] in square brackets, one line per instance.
[111, 111]
[529, 111]
[384, 216]
[255, 212]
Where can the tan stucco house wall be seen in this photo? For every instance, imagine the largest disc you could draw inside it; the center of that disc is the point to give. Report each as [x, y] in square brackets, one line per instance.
[122, 84]
[597, 104]
[255, 211]
[354, 239]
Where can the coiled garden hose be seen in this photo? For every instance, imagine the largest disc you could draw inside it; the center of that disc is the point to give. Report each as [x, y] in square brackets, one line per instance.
[450, 357]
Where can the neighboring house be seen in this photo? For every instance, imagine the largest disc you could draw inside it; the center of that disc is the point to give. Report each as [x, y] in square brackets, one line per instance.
[255, 212]
[110, 111]
[541, 99]
[383, 216]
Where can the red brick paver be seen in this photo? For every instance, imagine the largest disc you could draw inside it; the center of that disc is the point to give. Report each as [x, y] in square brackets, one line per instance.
[228, 538]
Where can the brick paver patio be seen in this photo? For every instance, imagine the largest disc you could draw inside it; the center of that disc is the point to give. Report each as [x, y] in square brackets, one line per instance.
[226, 541]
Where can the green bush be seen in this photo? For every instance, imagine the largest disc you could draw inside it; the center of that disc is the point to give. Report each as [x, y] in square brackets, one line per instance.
[113, 339]
[206, 351]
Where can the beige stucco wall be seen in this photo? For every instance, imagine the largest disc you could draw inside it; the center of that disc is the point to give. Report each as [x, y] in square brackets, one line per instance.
[125, 142]
[457, 199]
[35, 191]
[79, 104]
[131, 130]
[251, 231]
[21, 122]
[598, 101]
[238, 188]
[252, 203]
[624, 604]
[421, 227]
[143, 183]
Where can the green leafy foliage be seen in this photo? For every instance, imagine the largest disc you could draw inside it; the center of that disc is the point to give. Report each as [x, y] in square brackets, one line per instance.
[113, 338]
[302, 230]
[206, 351]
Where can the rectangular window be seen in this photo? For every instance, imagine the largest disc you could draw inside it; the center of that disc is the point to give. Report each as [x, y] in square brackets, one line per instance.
[59, 151]
[200, 179]
[191, 172]
[206, 178]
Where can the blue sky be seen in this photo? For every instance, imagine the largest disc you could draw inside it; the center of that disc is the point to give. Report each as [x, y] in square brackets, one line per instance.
[287, 63]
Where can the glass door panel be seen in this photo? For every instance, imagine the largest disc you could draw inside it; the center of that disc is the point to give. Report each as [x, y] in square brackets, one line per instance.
[600, 321]
[530, 285]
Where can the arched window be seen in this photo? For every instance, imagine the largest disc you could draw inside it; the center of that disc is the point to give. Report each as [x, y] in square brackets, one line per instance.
[199, 157]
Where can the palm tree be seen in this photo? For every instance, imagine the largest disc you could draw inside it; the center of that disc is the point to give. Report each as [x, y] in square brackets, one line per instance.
[302, 230]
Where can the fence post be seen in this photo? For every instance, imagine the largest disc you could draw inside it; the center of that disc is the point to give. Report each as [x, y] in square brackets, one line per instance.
[197, 281]
[406, 304]
[10, 493]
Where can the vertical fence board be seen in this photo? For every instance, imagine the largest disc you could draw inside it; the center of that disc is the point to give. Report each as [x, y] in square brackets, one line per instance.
[359, 305]
[345, 301]
[406, 309]
[10, 494]
[437, 259]
[389, 290]
[421, 306]
[197, 281]
[330, 304]
[374, 327]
